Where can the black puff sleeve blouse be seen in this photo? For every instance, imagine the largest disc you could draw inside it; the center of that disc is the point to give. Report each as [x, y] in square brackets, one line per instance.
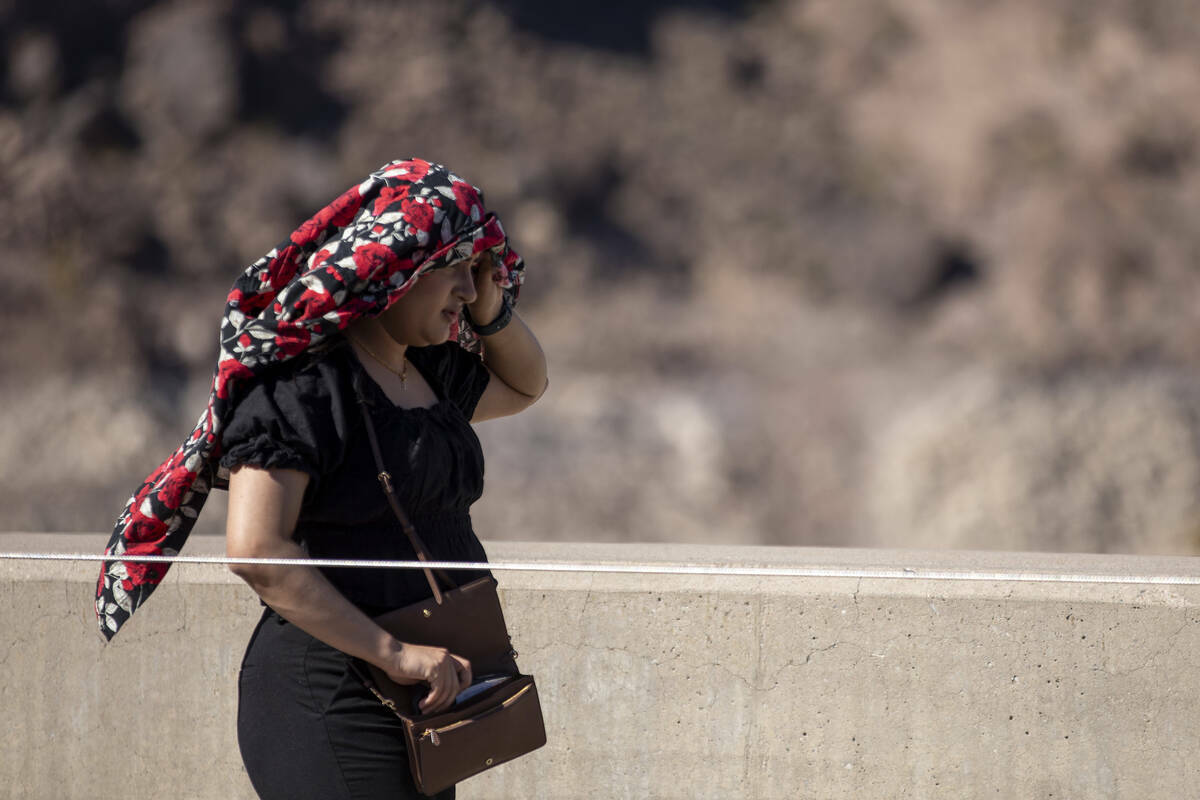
[305, 416]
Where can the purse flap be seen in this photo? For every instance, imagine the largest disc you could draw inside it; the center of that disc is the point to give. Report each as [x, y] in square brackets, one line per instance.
[469, 622]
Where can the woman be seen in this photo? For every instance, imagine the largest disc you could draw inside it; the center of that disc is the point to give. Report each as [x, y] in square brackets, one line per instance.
[359, 311]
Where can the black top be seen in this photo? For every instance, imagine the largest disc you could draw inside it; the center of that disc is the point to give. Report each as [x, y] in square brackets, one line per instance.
[305, 416]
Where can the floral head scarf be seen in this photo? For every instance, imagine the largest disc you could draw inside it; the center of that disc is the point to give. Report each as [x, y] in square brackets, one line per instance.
[354, 258]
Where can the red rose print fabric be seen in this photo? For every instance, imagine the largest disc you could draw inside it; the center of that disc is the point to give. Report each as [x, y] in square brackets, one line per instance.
[355, 257]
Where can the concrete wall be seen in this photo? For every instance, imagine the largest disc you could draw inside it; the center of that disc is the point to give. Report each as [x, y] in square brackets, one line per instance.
[668, 686]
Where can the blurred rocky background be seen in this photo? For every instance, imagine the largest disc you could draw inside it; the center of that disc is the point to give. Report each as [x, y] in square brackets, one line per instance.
[898, 273]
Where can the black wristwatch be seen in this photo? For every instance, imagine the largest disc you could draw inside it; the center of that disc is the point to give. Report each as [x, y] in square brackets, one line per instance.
[495, 326]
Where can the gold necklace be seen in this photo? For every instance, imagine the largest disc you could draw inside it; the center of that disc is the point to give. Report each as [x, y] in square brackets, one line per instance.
[401, 373]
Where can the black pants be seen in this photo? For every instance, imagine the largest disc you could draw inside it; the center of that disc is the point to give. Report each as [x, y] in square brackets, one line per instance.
[308, 728]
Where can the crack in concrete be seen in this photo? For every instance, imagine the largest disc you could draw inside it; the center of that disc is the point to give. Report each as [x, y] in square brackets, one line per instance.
[1170, 643]
[747, 682]
[812, 653]
[793, 664]
[752, 722]
[587, 599]
[184, 607]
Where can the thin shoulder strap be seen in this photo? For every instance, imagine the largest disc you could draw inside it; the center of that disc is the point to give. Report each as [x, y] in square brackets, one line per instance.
[385, 480]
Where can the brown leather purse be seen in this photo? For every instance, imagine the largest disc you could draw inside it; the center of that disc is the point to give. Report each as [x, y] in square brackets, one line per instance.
[502, 719]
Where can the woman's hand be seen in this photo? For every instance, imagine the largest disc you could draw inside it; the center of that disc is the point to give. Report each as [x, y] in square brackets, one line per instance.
[489, 297]
[446, 674]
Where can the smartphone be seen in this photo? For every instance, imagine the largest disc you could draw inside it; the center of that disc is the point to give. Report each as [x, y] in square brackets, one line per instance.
[481, 684]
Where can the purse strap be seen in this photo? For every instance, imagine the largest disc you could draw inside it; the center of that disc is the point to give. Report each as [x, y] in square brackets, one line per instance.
[385, 480]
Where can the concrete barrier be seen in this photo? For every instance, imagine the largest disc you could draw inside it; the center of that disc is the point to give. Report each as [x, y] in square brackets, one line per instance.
[660, 686]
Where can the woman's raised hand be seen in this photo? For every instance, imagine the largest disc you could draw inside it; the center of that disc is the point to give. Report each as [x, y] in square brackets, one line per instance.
[489, 297]
[446, 674]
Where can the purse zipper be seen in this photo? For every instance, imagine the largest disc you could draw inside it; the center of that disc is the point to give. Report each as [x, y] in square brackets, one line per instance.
[434, 733]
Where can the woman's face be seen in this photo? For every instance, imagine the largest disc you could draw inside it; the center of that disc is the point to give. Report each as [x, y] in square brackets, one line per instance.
[424, 315]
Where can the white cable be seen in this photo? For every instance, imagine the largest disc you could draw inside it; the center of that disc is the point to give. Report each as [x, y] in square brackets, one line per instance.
[643, 569]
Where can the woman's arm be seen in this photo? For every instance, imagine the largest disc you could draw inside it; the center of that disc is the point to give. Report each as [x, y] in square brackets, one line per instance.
[512, 354]
[263, 508]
